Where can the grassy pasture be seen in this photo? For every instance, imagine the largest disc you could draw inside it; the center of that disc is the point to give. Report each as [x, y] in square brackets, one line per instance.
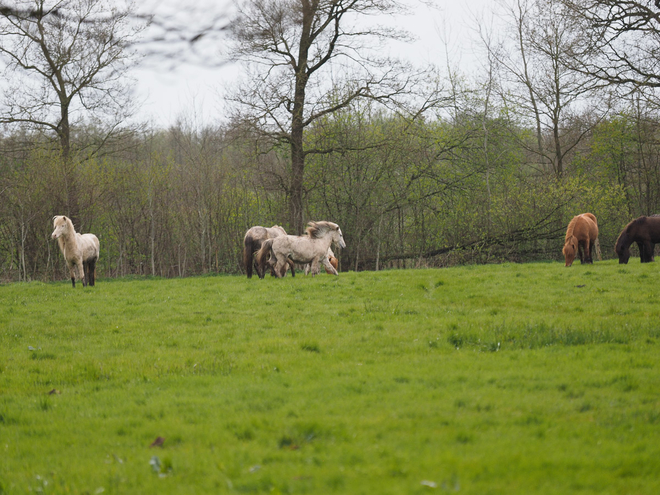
[495, 379]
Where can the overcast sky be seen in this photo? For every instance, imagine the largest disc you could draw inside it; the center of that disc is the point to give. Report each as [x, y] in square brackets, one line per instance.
[193, 90]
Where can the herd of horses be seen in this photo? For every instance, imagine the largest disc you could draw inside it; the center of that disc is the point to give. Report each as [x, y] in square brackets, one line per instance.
[272, 248]
[262, 247]
[582, 239]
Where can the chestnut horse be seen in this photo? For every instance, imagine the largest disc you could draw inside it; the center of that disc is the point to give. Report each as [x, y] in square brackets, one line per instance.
[252, 241]
[581, 239]
[645, 231]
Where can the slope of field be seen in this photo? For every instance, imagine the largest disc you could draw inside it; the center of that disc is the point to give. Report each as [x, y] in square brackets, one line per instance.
[504, 379]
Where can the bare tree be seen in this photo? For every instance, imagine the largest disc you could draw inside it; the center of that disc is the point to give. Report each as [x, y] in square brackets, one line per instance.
[64, 63]
[621, 40]
[540, 39]
[308, 59]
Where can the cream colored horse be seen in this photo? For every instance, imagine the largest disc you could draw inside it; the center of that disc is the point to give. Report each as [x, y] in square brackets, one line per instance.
[311, 248]
[81, 251]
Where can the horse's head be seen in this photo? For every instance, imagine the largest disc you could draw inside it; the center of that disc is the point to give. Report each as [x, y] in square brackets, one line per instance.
[62, 226]
[339, 238]
[570, 250]
[622, 248]
[317, 230]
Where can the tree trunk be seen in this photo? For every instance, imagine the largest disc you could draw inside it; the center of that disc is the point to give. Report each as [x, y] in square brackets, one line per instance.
[297, 123]
[70, 176]
[559, 155]
[296, 190]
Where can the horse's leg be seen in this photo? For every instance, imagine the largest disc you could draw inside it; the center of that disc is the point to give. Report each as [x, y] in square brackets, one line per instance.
[91, 272]
[584, 252]
[580, 249]
[588, 246]
[81, 271]
[72, 272]
[258, 269]
[640, 245]
[328, 266]
[647, 251]
[315, 267]
[86, 272]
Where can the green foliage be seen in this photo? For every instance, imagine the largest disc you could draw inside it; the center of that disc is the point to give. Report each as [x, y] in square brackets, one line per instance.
[423, 192]
[485, 379]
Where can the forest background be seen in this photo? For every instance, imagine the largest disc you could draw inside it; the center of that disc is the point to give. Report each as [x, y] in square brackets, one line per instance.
[419, 166]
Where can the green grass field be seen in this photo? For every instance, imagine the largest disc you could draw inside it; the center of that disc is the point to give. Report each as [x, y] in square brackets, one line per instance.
[499, 379]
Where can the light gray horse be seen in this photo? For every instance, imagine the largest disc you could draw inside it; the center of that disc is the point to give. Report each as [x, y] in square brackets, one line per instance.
[81, 251]
[311, 248]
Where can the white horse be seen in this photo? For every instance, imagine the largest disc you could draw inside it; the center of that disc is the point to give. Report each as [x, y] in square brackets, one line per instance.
[311, 248]
[252, 241]
[81, 251]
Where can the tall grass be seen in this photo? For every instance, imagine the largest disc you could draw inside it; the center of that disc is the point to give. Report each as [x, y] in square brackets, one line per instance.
[479, 379]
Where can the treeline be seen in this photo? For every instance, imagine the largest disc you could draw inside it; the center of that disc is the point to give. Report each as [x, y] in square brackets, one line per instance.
[406, 192]
[419, 166]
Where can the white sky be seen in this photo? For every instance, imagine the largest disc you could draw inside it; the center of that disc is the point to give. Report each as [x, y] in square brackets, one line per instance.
[192, 91]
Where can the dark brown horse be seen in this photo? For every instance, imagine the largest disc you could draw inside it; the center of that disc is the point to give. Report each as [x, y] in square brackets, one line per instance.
[581, 239]
[252, 242]
[645, 231]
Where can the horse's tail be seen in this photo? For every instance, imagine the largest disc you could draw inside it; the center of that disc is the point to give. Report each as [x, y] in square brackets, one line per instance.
[597, 246]
[262, 256]
[248, 254]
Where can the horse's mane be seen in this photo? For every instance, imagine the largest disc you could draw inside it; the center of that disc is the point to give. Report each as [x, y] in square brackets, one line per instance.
[316, 230]
[625, 232]
[571, 228]
[68, 223]
[621, 239]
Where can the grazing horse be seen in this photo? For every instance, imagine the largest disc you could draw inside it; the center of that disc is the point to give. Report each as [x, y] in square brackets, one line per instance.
[311, 248]
[331, 258]
[581, 239]
[81, 251]
[252, 241]
[645, 231]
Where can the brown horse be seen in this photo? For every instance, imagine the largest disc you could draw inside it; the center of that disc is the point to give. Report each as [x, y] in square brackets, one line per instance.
[645, 231]
[252, 241]
[581, 239]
